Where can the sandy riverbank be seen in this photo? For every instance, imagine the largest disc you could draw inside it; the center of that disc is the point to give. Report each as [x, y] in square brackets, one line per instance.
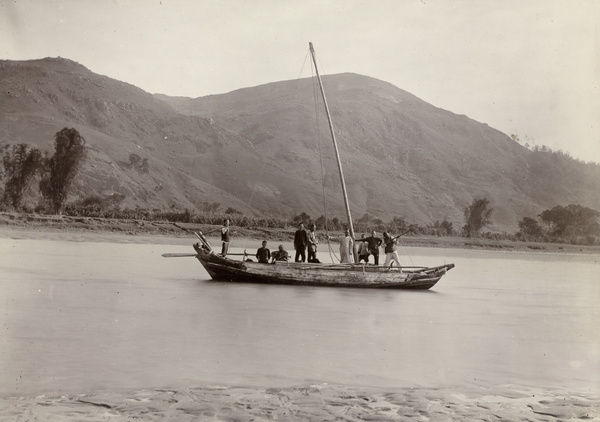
[29, 226]
[308, 403]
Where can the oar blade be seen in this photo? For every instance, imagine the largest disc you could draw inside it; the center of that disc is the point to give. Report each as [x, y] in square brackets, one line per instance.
[178, 255]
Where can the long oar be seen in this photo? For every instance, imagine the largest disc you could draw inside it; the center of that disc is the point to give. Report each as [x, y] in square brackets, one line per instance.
[187, 255]
[402, 234]
[179, 226]
[238, 254]
[178, 255]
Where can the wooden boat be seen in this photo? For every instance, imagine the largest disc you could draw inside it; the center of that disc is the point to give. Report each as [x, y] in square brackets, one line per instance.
[306, 274]
[309, 274]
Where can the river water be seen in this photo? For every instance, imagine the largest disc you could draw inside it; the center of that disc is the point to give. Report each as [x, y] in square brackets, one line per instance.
[78, 317]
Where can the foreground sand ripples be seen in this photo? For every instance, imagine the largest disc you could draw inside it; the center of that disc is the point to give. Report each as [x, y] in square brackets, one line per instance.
[311, 403]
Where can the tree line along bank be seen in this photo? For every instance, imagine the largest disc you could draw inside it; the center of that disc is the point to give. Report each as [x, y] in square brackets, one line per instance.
[574, 224]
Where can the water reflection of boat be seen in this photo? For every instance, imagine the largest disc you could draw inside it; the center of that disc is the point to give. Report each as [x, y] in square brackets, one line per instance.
[336, 275]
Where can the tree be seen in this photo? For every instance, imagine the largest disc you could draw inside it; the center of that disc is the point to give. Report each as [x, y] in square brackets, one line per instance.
[3, 149]
[584, 220]
[446, 227]
[364, 219]
[208, 207]
[303, 218]
[530, 227]
[62, 167]
[134, 160]
[399, 224]
[378, 224]
[477, 216]
[335, 223]
[20, 165]
[571, 220]
[144, 166]
[321, 223]
[362, 223]
[138, 163]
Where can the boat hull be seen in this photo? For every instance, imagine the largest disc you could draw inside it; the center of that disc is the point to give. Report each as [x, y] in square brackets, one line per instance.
[307, 274]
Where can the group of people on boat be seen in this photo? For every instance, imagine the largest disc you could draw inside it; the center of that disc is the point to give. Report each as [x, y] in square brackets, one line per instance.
[263, 254]
[368, 246]
[307, 241]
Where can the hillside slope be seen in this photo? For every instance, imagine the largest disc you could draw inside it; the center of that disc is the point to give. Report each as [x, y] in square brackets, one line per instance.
[262, 150]
[186, 155]
[402, 156]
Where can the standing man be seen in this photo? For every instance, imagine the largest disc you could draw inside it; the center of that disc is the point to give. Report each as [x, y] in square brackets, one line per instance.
[225, 238]
[363, 250]
[300, 243]
[312, 244]
[391, 253]
[374, 243]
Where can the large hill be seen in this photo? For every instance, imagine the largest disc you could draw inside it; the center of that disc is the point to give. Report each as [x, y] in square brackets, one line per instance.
[190, 159]
[264, 151]
[401, 155]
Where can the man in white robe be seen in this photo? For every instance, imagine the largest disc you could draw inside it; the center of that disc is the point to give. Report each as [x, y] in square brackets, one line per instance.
[346, 248]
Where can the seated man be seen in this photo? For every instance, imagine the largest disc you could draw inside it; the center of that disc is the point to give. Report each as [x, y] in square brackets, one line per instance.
[280, 255]
[263, 254]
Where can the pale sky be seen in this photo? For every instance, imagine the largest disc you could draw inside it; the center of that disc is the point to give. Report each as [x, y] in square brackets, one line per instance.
[530, 67]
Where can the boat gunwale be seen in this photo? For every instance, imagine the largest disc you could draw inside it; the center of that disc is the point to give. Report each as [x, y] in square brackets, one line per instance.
[353, 267]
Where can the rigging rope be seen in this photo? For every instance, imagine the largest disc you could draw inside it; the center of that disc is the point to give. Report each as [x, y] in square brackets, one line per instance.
[256, 184]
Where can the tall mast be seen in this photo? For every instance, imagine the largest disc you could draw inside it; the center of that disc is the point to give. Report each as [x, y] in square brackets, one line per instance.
[337, 154]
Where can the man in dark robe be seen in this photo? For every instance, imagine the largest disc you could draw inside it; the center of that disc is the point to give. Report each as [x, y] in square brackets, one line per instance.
[300, 243]
[374, 243]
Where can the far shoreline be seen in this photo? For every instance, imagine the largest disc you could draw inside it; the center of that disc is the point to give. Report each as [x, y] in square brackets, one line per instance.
[88, 229]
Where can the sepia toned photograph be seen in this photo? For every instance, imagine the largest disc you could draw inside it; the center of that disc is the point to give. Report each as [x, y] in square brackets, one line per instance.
[263, 210]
